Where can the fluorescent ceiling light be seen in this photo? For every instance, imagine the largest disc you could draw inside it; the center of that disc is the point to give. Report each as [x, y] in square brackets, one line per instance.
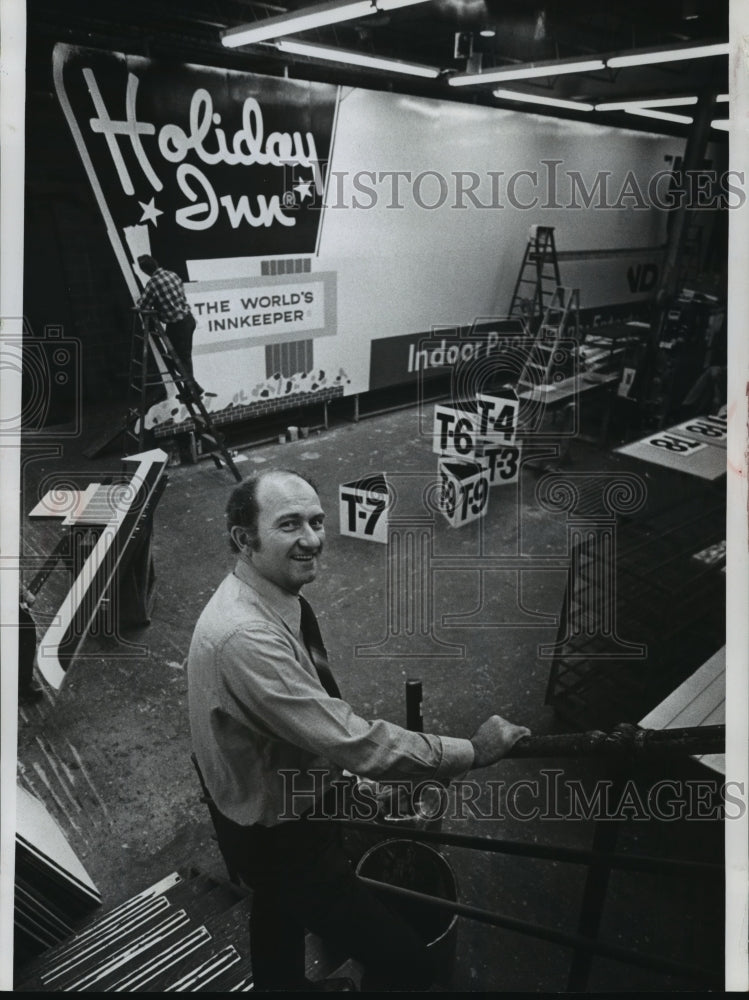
[668, 55]
[664, 116]
[722, 98]
[355, 58]
[721, 123]
[526, 72]
[666, 102]
[306, 18]
[552, 102]
[299, 20]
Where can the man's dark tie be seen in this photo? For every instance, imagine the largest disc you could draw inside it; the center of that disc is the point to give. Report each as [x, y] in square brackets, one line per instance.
[318, 654]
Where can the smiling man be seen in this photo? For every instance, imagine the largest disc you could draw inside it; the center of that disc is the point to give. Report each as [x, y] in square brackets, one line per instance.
[263, 706]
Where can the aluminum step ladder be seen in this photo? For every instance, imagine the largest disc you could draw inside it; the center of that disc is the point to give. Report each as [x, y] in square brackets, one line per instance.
[547, 363]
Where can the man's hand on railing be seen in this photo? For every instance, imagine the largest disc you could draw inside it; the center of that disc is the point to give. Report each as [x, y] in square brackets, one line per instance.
[494, 738]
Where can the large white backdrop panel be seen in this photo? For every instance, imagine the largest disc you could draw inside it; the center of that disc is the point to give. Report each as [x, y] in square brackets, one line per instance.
[442, 244]
[407, 269]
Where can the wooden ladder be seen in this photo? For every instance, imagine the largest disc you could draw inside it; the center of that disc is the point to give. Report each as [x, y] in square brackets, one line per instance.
[538, 276]
[148, 332]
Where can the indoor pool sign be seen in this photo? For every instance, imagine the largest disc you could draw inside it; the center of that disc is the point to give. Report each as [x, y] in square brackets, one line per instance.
[189, 162]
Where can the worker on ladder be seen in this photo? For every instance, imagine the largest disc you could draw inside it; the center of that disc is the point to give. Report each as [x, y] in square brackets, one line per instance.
[166, 295]
[164, 302]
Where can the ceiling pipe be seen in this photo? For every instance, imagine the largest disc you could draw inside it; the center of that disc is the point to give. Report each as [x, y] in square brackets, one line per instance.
[678, 223]
[694, 154]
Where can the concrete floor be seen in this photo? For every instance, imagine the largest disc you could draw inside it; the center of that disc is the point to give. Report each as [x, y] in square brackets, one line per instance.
[116, 735]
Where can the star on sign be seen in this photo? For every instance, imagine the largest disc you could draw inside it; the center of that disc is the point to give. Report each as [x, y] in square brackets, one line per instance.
[150, 212]
[303, 189]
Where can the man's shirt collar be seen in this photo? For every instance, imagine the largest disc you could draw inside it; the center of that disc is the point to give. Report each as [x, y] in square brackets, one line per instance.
[286, 605]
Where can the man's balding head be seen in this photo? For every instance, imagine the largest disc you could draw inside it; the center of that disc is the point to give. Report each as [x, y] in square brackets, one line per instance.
[243, 508]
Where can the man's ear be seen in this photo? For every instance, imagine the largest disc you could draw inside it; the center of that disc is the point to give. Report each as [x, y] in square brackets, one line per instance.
[240, 536]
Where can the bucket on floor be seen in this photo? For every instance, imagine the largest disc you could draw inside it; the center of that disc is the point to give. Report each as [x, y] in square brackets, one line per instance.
[418, 866]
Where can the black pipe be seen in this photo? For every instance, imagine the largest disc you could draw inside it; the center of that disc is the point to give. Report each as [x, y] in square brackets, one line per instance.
[694, 155]
[623, 741]
[576, 941]
[414, 718]
[574, 855]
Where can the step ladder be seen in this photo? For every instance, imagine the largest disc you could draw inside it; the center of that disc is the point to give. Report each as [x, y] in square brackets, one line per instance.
[186, 933]
[538, 277]
[149, 334]
[546, 363]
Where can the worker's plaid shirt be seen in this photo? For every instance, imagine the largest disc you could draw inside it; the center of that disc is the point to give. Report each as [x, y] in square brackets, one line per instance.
[165, 294]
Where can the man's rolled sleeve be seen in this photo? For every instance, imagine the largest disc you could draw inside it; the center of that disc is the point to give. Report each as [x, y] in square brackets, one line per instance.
[269, 687]
[457, 756]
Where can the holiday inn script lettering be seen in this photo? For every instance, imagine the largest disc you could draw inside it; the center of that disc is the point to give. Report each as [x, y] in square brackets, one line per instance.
[208, 170]
[230, 158]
